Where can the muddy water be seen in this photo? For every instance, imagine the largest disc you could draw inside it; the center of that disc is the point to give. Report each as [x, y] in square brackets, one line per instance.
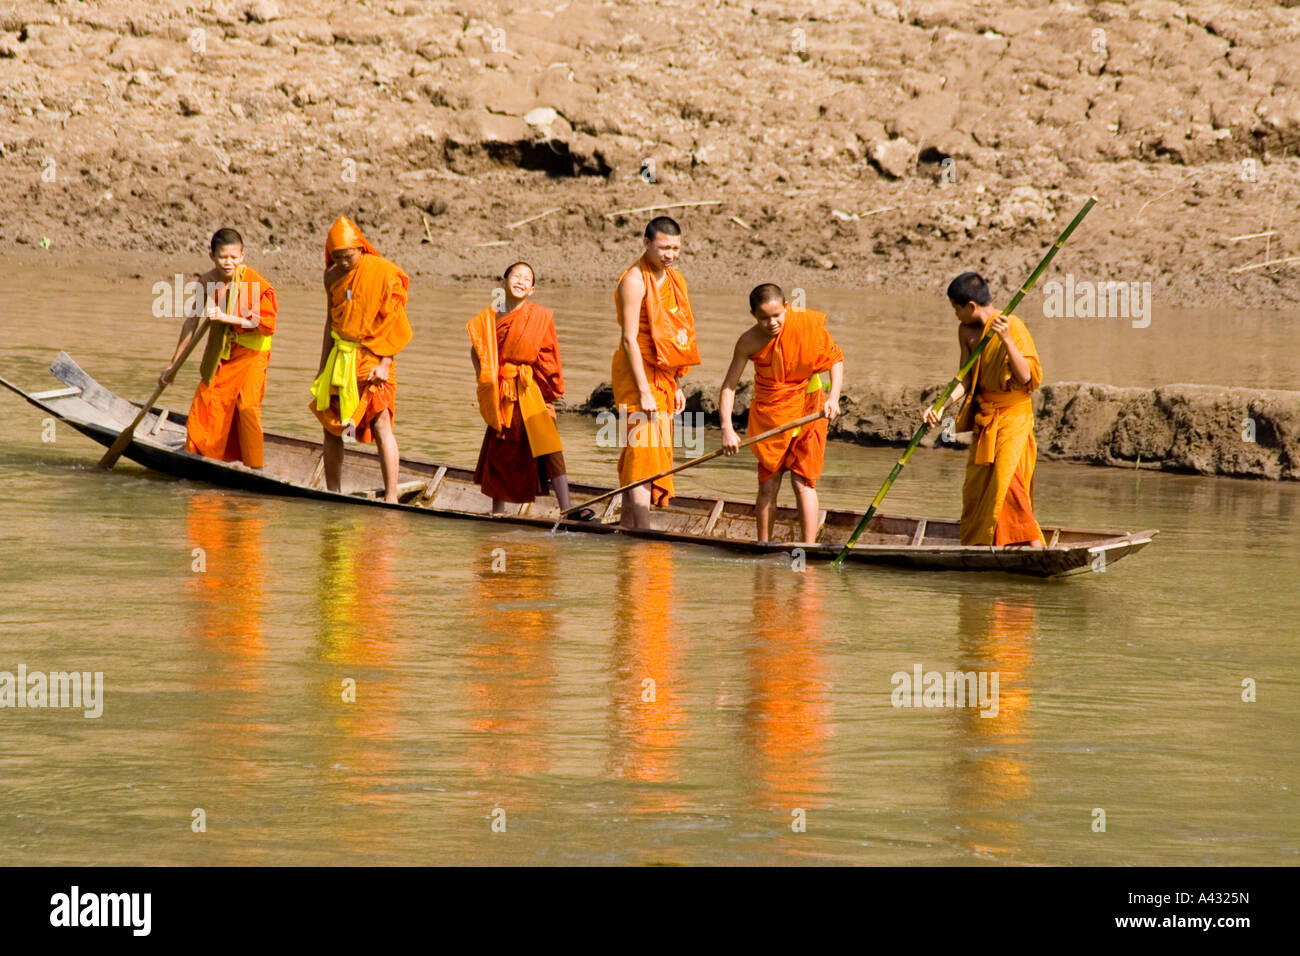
[610, 701]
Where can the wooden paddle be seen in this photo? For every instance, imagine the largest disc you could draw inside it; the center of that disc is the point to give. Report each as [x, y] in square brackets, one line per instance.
[952, 386]
[807, 419]
[124, 439]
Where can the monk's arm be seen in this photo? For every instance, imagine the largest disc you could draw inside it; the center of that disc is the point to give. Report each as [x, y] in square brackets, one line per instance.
[727, 396]
[932, 416]
[473, 357]
[187, 332]
[547, 371]
[396, 302]
[967, 383]
[1021, 373]
[263, 316]
[629, 294]
[197, 309]
[326, 342]
[837, 383]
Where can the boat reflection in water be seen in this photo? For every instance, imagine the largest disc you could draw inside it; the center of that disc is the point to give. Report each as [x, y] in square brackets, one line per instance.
[990, 778]
[787, 714]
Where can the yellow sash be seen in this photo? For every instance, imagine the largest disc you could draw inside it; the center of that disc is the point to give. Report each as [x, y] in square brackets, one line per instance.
[340, 372]
[257, 341]
[543, 436]
[815, 384]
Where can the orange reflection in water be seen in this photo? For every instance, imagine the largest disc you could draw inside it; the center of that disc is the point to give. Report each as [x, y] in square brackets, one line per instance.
[511, 671]
[227, 587]
[359, 637]
[992, 772]
[787, 718]
[648, 733]
[227, 584]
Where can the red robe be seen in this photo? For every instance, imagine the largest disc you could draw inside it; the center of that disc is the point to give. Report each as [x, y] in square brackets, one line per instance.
[507, 469]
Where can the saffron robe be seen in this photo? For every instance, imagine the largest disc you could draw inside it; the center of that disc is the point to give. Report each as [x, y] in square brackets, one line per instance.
[519, 379]
[368, 322]
[998, 492]
[225, 420]
[782, 369]
[666, 340]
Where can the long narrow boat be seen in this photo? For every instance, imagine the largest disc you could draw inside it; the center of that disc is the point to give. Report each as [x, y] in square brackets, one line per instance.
[295, 467]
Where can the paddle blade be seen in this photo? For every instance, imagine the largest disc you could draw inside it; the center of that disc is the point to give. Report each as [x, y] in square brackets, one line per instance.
[118, 447]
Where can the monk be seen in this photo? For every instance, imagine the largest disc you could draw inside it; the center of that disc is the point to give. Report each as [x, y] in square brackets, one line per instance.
[998, 493]
[516, 356]
[657, 347]
[225, 420]
[791, 351]
[355, 391]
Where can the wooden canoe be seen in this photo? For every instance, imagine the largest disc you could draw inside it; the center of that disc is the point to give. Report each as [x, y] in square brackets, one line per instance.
[294, 467]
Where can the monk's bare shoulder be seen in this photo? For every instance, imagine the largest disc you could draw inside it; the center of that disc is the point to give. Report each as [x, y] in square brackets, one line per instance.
[968, 335]
[631, 285]
[751, 341]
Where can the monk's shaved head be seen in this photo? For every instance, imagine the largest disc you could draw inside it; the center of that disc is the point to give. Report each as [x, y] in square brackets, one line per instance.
[969, 287]
[532, 273]
[767, 292]
[664, 225]
[225, 237]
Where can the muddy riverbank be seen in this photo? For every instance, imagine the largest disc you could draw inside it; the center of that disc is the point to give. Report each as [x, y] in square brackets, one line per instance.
[832, 145]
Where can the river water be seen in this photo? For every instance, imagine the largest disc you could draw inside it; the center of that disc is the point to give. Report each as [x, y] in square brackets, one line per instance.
[608, 701]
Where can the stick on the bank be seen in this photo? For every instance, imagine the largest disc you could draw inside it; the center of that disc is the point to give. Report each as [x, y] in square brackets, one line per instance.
[672, 205]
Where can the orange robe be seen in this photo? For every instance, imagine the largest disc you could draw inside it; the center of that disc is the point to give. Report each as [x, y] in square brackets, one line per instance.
[527, 348]
[367, 306]
[782, 369]
[225, 420]
[998, 493]
[666, 339]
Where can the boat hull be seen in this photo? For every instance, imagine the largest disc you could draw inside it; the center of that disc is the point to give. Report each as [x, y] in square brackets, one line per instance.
[293, 467]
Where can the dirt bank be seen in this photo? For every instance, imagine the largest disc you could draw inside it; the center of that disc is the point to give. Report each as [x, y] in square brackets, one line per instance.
[845, 142]
[1200, 429]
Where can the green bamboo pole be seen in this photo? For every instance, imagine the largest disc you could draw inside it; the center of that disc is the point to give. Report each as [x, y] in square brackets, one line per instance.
[961, 374]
